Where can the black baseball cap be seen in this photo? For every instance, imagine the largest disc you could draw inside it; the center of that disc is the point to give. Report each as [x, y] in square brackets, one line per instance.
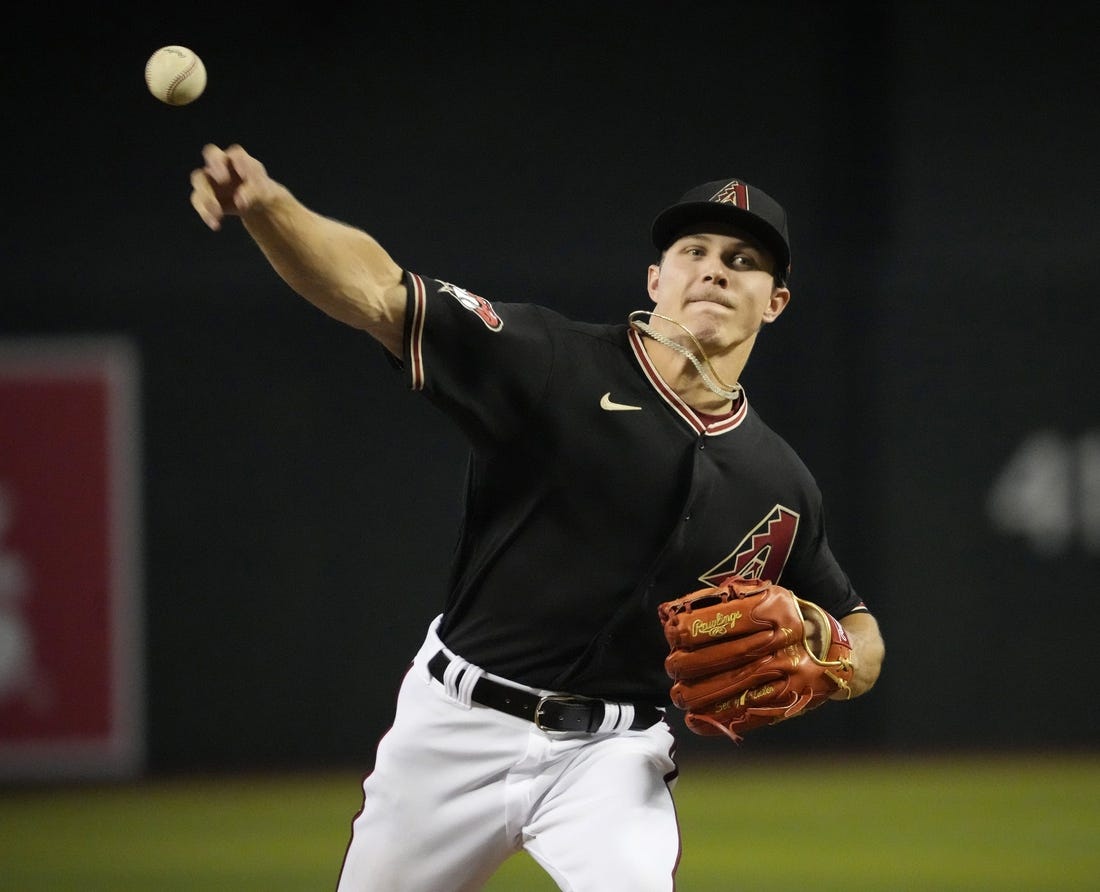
[730, 201]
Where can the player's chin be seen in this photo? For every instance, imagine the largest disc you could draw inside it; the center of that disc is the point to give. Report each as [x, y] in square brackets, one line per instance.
[709, 321]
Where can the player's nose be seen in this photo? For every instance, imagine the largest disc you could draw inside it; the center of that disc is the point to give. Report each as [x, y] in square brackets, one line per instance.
[716, 275]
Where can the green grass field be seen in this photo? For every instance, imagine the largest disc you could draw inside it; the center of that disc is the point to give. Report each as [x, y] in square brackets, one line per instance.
[964, 823]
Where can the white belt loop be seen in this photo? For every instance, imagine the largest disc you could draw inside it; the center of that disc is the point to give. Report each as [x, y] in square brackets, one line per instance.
[617, 716]
[459, 679]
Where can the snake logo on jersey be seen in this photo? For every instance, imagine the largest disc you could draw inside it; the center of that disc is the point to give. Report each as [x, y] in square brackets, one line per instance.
[475, 303]
[763, 553]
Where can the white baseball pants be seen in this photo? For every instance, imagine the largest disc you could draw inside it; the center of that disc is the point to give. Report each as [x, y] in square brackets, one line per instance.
[457, 789]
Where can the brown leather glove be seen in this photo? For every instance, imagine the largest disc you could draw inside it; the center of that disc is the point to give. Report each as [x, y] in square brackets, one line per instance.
[740, 656]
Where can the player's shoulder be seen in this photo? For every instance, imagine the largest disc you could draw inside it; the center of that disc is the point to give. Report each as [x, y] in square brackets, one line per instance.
[567, 327]
[523, 311]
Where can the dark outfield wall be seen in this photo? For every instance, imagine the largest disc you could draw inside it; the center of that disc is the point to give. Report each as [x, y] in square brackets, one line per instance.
[936, 368]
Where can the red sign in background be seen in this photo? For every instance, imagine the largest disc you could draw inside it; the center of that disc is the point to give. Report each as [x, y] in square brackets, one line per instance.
[70, 669]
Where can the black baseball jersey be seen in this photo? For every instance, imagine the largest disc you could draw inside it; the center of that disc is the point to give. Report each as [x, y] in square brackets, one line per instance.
[594, 493]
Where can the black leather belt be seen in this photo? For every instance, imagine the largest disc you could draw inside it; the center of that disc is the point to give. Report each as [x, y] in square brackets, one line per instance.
[555, 712]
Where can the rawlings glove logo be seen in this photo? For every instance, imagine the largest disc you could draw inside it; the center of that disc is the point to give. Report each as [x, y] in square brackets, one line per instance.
[719, 625]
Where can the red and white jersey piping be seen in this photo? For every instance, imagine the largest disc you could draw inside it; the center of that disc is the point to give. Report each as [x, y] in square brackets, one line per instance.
[678, 405]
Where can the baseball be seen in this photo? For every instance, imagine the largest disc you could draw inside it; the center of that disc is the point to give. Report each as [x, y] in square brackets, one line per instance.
[175, 75]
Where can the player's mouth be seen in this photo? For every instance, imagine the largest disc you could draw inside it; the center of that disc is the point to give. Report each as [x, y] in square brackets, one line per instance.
[712, 298]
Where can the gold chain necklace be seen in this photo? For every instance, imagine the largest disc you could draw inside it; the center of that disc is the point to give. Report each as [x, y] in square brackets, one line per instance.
[712, 380]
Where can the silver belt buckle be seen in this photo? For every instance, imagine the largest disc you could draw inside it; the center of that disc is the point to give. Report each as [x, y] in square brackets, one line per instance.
[558, 698]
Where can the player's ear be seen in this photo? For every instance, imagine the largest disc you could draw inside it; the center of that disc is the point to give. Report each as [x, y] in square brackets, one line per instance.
[777, 303]
[653, 277]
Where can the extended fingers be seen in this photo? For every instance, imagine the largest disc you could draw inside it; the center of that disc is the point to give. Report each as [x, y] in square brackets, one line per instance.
[220, 186]
[216, 163]
[204, 200]
[230, 182]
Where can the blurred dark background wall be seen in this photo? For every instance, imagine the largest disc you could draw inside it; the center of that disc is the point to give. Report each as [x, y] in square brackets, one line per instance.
[936, 368]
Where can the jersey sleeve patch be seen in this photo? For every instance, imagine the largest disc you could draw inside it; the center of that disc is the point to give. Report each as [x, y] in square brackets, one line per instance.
[476, 304]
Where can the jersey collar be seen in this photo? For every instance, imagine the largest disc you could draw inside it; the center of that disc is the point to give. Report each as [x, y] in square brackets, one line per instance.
[728, 423]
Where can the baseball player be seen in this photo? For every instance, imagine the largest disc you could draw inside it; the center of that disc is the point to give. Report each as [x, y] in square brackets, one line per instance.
[612, 467]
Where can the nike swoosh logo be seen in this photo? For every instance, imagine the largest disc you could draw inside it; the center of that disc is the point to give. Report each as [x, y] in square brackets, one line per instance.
[606, 403]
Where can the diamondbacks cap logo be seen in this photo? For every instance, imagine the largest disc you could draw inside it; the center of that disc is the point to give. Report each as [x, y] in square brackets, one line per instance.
[735, 193]
[475, 304]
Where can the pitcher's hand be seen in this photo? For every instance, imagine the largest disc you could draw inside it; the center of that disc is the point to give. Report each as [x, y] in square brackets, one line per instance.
[230, 183]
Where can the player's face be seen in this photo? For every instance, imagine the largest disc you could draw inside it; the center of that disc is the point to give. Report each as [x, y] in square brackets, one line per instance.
[719, 283]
